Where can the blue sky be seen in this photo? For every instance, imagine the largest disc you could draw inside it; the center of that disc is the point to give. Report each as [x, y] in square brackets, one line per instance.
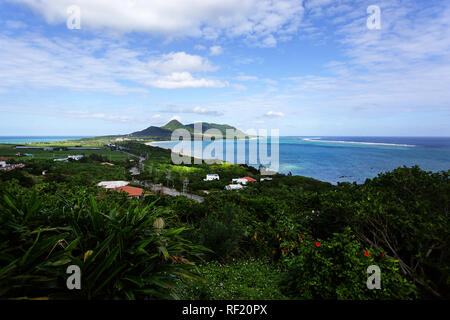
[307, 67]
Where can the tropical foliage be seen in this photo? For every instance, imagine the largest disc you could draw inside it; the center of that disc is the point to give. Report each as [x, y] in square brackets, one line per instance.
[292, 237]
[122, 253]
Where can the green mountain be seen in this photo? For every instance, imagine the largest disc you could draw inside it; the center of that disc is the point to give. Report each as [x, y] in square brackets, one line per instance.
[175, 124]
[165, 132]
[221, 127]
[154, 132]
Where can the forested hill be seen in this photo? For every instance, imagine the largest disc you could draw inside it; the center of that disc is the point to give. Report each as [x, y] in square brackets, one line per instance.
[165, 132]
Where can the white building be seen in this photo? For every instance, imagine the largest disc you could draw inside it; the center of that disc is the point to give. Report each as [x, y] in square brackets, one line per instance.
[210, 177]
[243, 180]
[112, 184]
[233, 187]
[265, 179]
[240, 180]
[3, 164]
[77, 157]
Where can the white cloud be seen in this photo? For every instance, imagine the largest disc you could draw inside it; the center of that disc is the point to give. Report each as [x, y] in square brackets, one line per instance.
[178, 118]
[255, 20]
[15, 24]
[179, 62]
[403, 66]
[178, 80]
[195, 110]
[201, 110]
[99, 115]
[317, 3]
[215, 50]
[243, 77]
[31, 60]
[274, 114]
[238, 87]
[269, 41]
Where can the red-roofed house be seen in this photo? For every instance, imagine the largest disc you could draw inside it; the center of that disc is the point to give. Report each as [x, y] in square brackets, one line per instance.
[132, 191]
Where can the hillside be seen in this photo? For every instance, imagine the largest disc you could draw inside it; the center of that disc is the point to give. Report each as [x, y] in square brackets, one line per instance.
[154, 132]
[175, 124]
[165, 132]
[221, 127]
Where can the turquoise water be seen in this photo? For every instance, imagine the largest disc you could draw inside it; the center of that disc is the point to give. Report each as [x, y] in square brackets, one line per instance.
[338, 159]
[332, 159]
[35, 139]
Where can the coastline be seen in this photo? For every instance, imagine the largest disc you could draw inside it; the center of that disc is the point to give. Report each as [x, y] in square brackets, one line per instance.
[150, 143]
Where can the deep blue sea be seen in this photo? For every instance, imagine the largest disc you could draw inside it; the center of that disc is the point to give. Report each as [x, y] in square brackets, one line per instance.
[35, 139]
[338, 159]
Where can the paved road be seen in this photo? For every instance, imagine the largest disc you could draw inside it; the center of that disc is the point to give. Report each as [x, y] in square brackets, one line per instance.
[168, 191]
[159, 187]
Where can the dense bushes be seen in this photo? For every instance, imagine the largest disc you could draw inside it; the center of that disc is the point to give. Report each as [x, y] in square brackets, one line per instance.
[48, 225]
[239, 279]
[23, 179]
[119, 250]
[403, 213]
[406, 211]
[222, 233]
[84, 174]
[336, 269]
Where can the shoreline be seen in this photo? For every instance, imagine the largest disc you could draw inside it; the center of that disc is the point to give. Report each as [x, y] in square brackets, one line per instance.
[150, 143]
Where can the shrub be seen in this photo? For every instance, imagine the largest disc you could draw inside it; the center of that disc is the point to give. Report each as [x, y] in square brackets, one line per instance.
[221, 233]
[242, 279]
[336, 269]
[406, 210]
[17, 174]
[119, 250]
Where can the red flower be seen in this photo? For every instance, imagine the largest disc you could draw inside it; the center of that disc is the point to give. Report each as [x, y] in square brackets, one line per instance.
[366, 254]
[317, 244]
[382, 255]
[303, 236]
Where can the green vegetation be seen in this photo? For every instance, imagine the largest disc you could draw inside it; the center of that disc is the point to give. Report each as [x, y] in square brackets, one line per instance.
[153, 132]
[221, 127]
[119, 250]
[158, 164]
[241, 279]
[289, 238]
[175, 124]
[107, 154]
[165, 132]
[336, 269]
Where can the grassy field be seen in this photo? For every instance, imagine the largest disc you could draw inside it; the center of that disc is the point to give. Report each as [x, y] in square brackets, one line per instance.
[85, 142]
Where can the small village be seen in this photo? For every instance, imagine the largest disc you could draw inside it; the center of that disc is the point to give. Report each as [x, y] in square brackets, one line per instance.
[134, 188]
[137, 193]
[9, 167]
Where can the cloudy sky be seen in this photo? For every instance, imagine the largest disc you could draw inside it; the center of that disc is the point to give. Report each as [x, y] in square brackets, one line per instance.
[309, 67]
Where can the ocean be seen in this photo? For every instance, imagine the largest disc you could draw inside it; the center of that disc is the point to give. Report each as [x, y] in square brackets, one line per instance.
[352, 159]
[36, 139]
[332, 159]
